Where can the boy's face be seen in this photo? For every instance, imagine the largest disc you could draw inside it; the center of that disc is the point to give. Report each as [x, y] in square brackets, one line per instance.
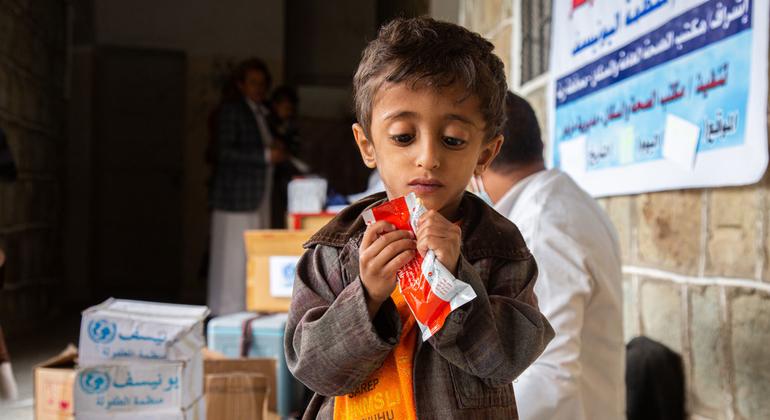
[427, 141]
[254, 85]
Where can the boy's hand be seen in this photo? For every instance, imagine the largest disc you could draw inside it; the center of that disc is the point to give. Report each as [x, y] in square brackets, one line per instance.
[384, 250]
[435, 232]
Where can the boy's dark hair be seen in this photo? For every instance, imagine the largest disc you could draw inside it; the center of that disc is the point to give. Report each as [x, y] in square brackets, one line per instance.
[655, 384]
[252, 64]
[425, 52]
[285, 92]
[523, 143]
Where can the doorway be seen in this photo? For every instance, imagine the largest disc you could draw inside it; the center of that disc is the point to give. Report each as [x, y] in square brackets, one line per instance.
[138, 128]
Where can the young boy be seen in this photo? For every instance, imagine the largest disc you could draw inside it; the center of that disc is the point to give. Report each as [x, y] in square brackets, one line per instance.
[430, 105]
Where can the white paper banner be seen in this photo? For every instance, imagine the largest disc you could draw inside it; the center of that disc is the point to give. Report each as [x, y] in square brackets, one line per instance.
[650, 95]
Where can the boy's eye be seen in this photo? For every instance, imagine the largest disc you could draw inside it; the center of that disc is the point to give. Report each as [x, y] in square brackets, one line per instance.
[453, 142]
[402, 138]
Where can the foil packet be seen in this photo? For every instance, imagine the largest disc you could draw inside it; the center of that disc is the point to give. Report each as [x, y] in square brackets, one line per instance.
[429, 288]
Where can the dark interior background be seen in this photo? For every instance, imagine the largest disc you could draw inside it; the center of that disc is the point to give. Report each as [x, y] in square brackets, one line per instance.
[110, 132]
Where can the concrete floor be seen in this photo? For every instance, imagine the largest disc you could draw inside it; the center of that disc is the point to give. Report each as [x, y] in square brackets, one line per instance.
[27, 351]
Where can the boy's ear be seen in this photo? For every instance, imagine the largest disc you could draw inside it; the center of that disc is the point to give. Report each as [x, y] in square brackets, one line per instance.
[365, 146]
[488, 153]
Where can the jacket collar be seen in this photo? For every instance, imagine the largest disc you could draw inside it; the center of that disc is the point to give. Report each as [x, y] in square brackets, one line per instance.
[485, 233]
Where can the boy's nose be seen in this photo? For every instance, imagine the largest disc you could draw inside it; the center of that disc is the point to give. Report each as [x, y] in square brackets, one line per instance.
[428, 156]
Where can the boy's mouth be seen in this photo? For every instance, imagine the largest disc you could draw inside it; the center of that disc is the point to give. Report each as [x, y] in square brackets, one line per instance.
[424, 185]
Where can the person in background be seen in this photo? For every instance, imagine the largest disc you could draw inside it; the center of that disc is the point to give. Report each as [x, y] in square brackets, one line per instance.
[283, 125]
[228, 93]
[655, 382]
[579, 376]
[283, 117]
[241, 184]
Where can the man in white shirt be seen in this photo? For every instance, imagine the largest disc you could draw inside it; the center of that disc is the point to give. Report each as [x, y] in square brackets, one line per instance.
[580, 375]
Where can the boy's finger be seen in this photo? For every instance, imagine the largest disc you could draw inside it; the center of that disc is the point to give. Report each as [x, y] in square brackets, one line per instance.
[385, 239]
[439, 229]
[392, 250]
[422, 246]
[433, 215]
[398, 261]
[426, 216]
[436, 222]
[434, 242]
[444, 232]
[373, 231]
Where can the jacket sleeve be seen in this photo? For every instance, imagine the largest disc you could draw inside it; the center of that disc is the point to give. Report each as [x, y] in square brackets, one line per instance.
[500, 332]
[331, 344]
[228, 130]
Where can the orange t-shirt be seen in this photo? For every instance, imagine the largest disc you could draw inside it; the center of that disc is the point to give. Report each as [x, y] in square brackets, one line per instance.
[388, 393]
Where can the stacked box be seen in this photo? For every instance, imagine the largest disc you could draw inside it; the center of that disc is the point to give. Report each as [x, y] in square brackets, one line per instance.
[140, 360]
[268, 289]
[53, 386]
[196, 412]
[225, 335]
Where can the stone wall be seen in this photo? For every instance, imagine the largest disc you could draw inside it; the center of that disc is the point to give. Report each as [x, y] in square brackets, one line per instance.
[32, 74]
[696, 274]
[492, 19]
[696, 279]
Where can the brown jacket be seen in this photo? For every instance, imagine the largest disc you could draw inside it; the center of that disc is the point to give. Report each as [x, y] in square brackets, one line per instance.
[465, 370]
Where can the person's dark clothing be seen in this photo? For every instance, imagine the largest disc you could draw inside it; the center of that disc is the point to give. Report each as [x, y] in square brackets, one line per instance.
[241, 168]
[655, 384]
[284, 132]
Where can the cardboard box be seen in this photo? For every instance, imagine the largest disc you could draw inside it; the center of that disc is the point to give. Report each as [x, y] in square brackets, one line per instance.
[225, 335]
[53, 386]
[236, 396]
[138, 386]
[196, 412]
[262, 248]
[54, 395]
[264, 367]
[306, 194]
[309, 221]
[119, 330]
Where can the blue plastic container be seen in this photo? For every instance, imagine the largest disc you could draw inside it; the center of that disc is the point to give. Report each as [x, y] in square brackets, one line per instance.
[224, 335]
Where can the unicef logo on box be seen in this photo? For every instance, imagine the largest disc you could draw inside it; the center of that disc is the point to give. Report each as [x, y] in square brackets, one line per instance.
[101, 330]
[282, 271]
[94, 381]
[288, 274]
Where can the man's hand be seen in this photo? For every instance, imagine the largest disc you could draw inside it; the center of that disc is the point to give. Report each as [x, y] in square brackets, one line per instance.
[384, 250]
[435, 232]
